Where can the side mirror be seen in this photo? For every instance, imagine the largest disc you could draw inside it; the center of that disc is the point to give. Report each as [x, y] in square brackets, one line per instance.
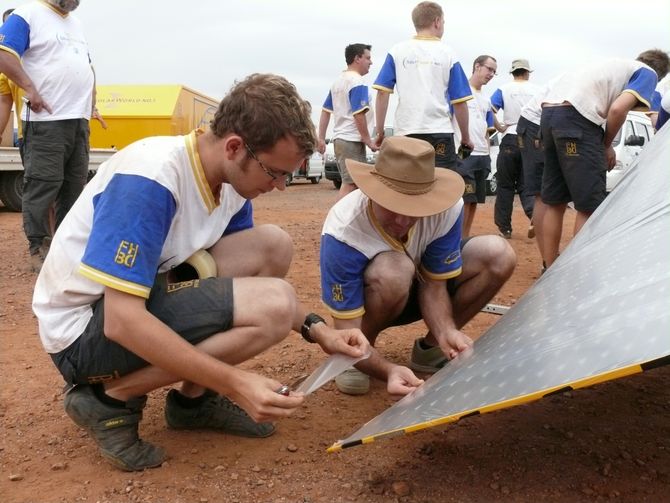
[634, 141]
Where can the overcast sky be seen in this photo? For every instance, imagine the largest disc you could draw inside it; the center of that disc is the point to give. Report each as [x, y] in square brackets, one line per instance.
[208, 44]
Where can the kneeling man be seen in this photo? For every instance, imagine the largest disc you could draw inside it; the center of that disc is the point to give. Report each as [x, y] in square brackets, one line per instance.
[391, 254]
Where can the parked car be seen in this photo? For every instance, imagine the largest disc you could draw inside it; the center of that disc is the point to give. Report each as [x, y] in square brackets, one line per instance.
[636, 133]
[312, 169]
[330, 167]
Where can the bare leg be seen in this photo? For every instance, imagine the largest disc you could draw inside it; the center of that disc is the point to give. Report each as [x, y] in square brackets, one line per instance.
[388, 280]
[580, 220]
[263, 316]
[469, 210]
[552, 228]
[488, 262]
[538, 219]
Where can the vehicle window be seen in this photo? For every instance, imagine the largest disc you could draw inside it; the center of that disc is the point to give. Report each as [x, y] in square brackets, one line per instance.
[627, 130]
[642, 131]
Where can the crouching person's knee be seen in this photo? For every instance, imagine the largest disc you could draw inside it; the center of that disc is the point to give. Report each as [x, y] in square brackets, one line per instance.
[277, 309]
[502, 258]
[278, 249]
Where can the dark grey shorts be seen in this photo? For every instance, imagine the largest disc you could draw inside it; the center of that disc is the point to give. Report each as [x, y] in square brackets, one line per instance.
[474, 171]
[195, 309]
[443, 143]
[345, 149]
[574, 159]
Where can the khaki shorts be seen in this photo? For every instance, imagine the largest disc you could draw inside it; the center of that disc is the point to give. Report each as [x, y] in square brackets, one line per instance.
[345, 149]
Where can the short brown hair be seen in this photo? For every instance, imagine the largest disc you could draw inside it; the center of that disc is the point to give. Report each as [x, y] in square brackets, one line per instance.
[264, 108]
[480, 60]
[425, 13]
[657, 60]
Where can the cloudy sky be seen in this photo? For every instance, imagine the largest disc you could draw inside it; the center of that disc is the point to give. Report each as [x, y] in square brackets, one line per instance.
[208, 44]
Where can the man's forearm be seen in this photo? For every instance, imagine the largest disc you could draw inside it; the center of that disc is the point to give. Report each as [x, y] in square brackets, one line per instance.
[362, 126]
[381, 107]
[463, 120]
[11, 66]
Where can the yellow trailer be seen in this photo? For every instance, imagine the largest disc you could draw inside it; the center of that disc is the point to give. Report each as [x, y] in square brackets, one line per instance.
[133, 112]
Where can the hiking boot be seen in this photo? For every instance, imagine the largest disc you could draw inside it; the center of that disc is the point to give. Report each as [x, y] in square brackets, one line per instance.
[38, 255]
[353, 382]
[215, 412]
[114, 429]
[426, 360]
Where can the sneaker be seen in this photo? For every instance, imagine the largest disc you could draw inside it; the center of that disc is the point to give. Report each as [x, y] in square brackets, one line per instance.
[114, 429]
[427, 360]
[216, 412]
[531, 231]
[353, 382]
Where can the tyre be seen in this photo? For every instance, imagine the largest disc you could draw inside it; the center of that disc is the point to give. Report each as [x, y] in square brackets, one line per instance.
[337, 183]
[11, 189]
[492, 186]
[315, 179]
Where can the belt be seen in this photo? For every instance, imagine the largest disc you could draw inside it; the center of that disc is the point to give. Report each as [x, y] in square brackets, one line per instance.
[552, 105]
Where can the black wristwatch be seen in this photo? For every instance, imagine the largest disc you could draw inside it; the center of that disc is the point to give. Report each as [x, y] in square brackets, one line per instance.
[310, 320]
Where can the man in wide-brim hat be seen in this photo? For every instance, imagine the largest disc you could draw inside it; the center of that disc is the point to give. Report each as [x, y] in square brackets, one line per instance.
[391, 254]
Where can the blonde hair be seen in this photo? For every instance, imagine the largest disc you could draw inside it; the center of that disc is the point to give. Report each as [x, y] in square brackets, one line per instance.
[425, 13]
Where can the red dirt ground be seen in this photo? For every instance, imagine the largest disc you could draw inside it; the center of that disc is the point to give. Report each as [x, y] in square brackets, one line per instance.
[607, 443]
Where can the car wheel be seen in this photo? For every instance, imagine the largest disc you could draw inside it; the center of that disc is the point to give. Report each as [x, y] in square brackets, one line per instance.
[315, 179]
[337, 183]
[11, 189]
[492, 186]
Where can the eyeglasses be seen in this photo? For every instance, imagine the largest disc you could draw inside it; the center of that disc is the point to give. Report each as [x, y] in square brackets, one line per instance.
[490, 69]
[275, 175]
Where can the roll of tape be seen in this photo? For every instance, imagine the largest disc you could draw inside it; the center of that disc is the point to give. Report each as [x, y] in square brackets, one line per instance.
[203, 263]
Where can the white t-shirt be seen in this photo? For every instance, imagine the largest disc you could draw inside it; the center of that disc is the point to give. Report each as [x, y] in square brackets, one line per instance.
[511, 98]
[428, 77]
[592, 90]
[147, 210]
[347, 97]
[54, 54]
[352, 237]
[480, 119]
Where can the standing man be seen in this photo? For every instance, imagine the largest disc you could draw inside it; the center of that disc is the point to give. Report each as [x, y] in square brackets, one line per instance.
[428, 77]
[475, 168]
[10, 95]
[511, 98]
[118, 326]
[577, 151]
[349, 102]
[391, 254]
[44, 51]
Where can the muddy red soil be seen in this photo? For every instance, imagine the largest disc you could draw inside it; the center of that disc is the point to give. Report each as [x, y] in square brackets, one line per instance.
[606, 443]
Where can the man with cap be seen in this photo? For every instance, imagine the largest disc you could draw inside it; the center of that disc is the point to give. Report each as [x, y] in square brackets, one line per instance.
[511, 98]
[391, 254]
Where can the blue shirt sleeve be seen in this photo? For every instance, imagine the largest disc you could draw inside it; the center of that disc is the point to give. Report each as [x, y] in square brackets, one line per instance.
[386, 79]
[131, 219]
[243, 219]
[489, 118]
[497, 100]
[459, 87]
[15, 34]
[442, 258]
[342, 286]
[655, 102]
[359, 99]
[663, 117]
[643, 84]
[328, 104]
